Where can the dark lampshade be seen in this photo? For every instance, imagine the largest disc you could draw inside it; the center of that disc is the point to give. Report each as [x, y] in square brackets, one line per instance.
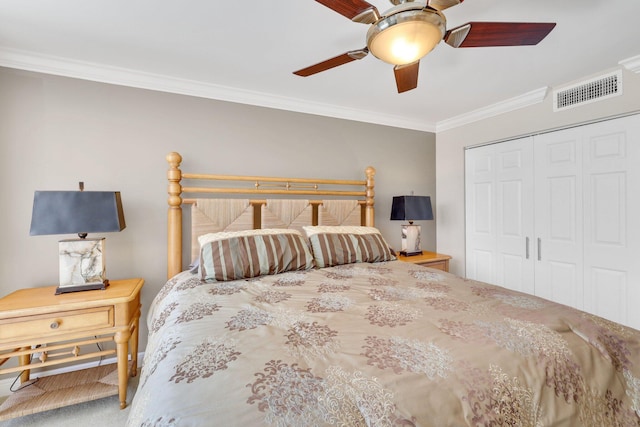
[411, 208]
[71, 212]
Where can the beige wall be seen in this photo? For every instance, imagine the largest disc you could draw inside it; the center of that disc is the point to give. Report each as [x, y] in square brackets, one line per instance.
[56, 131]
[534, 119]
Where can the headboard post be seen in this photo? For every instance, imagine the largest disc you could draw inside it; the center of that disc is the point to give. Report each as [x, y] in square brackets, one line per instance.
[369, 198]
[174, 220]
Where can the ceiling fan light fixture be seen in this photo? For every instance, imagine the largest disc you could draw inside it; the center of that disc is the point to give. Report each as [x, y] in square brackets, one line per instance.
[405, 37]
[404, 34]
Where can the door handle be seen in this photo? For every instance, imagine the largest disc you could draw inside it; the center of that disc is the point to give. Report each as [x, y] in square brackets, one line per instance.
[527, 247]
[539, 249]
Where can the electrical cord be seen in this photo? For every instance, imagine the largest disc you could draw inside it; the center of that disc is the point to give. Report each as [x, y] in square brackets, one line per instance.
[35, 380]
[26, 384]
[99, 349]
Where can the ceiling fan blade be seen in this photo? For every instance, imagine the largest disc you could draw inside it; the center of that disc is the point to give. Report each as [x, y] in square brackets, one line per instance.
[443, 4]
[406, 76]
[485, 34]
[345, 58]
[356, 10]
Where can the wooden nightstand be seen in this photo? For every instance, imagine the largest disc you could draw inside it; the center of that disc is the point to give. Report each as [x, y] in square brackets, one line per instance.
[62, 324]
[428, 259]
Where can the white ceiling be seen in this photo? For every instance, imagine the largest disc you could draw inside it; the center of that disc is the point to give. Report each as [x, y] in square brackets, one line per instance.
[246, 52]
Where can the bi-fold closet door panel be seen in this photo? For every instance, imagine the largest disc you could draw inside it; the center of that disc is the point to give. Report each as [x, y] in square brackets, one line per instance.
[611, 176]
[558, 215]
[499, 220]
[480, 219]
[558, 234]
[587, 193]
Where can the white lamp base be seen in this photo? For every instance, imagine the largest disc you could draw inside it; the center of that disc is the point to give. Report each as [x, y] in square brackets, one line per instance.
[82, 265]
[411, 244]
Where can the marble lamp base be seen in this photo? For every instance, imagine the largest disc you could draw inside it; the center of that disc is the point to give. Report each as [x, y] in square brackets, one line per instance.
[82, 265]
[411, 244]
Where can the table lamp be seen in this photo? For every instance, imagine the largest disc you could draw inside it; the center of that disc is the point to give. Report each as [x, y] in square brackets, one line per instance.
[82, 261]
[411, 208]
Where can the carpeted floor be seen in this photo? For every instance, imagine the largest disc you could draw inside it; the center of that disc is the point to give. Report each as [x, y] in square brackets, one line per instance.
[103, 412]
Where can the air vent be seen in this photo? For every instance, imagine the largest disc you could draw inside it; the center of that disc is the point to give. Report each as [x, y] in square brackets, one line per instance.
[588, 91]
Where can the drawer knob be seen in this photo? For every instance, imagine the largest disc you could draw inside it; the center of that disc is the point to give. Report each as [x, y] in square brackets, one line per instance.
[54, 325]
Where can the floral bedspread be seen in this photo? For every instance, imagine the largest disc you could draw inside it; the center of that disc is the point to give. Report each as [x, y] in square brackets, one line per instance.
[386, 344]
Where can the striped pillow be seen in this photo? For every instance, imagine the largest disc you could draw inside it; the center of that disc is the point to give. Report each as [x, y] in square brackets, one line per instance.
[346, 245]
[245, 254]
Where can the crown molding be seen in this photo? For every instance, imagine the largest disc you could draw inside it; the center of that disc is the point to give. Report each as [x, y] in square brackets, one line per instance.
[516, 103]
[138, 79]
[30, 61]
[631, 64]
[65, 67]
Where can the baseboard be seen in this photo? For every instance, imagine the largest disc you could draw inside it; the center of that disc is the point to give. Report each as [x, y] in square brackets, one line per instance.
[5, 384]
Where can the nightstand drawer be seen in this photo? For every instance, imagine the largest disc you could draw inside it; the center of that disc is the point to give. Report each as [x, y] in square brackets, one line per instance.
[428, 259]
[440, 265]
[56, 323]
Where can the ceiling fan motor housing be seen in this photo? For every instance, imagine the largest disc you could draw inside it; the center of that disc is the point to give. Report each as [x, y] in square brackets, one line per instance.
[406, 33]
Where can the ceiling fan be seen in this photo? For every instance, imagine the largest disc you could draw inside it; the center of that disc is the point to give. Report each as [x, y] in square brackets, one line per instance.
[408, 31]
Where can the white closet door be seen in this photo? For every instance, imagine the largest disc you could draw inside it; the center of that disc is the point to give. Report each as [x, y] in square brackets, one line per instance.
[480, 216]
[514, 215]
[584, 234]
[499, 214]
[558, 217]
[612, 220]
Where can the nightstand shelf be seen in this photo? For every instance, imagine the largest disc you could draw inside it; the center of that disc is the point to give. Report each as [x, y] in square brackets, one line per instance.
[42, 329]
[428, 259]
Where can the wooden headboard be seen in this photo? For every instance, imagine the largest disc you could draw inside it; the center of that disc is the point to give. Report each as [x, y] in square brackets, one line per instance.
[238, 185]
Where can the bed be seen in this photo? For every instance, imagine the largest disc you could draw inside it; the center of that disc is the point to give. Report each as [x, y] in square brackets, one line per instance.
[338, 332]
